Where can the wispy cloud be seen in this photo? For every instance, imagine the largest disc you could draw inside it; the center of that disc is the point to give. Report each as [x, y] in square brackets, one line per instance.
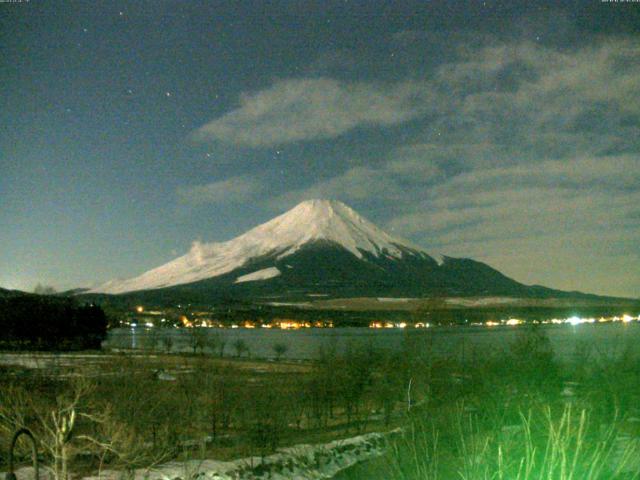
[387, 182]
[529, 160]
[532, 221]
[524, 155]
[314, 108]
[235, 189]
[539, 102]
[358, 183]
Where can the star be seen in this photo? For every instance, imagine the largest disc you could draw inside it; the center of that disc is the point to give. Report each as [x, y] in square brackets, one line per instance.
[168, 94]
[85, 30]
[121, 13]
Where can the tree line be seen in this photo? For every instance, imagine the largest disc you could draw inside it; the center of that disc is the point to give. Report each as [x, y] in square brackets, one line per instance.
[37, 322]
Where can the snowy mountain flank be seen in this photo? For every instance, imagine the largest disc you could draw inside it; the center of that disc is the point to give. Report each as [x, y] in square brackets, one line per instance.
[318, 248]
[309, 221]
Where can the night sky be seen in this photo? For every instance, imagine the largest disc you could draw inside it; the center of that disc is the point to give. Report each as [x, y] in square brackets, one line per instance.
[505, 132]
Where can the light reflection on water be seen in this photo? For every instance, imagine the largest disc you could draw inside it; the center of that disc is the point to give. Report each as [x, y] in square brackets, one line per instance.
[603, 340]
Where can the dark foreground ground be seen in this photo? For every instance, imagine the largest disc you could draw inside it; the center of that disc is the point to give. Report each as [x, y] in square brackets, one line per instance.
[514, 413]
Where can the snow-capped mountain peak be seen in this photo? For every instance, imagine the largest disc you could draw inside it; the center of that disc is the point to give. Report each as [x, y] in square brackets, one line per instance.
[329, 220]
[309, 221]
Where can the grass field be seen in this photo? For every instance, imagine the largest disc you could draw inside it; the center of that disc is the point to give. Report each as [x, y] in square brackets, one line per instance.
[137, 410]
[511, 414]
[523, 416]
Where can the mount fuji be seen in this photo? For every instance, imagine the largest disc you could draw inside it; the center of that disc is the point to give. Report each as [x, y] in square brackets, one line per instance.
[319, 248]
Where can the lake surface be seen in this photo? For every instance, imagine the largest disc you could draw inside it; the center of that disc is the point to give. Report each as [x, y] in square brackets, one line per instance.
[603, 339]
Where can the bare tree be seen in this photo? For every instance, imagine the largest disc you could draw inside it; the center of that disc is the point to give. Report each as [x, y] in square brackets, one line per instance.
[197, 339]
[150, 339]
[240, 347]
[212, 342]
[279, 349]
[265, 420]
[167, 341]
[55, 425]
[222, 342]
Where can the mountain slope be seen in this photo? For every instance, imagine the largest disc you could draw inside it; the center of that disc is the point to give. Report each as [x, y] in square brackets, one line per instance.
[319, 248]
[310, 221]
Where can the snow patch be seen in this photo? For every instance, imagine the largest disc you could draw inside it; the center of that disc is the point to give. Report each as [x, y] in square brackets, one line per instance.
[289, 304]
[477, 302]
[263, 274]
[303, 462]
[394, 300]
[438, 258]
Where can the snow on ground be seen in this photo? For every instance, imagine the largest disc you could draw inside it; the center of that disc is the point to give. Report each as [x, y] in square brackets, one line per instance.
[263, 274]
[439, 258]
[44, 361]
[394, 300]
[289, 304]
[303, 462]
[27, 473]
[477, 302]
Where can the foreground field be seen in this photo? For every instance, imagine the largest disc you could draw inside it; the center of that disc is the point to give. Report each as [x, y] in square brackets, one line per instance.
[514, 413]
[523, 416]
[130, 411]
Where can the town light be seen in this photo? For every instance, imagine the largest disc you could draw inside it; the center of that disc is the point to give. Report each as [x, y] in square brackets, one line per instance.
[574, 320]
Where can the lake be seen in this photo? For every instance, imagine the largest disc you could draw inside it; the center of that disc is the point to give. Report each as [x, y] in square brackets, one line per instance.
[604, 339]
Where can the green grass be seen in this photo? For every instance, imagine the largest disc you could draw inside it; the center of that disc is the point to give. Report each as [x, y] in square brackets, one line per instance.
[520, 415]
[512, 414]
[567, 444]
